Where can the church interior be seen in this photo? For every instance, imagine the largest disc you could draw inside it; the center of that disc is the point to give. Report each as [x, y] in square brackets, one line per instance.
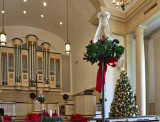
[43, 70]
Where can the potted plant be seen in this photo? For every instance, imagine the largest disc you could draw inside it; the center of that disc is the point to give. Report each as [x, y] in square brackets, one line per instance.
[7, 118]
[78, 118]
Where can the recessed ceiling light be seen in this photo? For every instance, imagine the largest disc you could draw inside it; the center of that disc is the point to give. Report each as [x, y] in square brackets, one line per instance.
[60, 23]
[42, 15]
[2, 11]
[24, 12]
[44, 4]
[25, 0]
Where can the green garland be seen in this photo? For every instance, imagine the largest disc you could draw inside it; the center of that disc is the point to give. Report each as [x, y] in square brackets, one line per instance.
[102, 50]
[100, 100]
[65, 96]
[41, 99]
[32, 96]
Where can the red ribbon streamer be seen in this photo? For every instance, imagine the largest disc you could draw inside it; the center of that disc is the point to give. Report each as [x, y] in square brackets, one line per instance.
[32, 96]
[42, 102]
[111, 62]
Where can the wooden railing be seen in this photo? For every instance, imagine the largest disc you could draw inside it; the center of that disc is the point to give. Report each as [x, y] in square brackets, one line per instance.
[9, 108]
[22, 109]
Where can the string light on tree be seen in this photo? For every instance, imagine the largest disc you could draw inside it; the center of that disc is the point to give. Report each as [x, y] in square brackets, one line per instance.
[44, 4]
[2, 11]
[24, 12]
[60, 23]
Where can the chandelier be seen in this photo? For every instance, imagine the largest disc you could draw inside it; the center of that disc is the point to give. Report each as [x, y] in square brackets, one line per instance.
[121, 3]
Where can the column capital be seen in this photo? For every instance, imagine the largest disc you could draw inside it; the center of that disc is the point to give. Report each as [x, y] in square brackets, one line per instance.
[139, 31]
[17, 42]
[129, 36]
[140, 27]
[31, 39]
[45, 46]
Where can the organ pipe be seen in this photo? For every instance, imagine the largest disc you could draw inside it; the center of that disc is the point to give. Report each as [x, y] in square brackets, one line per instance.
[32, 43]
[4, 69]
[46, 47]
[18, 44]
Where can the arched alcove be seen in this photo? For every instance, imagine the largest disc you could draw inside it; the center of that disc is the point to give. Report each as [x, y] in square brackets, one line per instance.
[57, 43]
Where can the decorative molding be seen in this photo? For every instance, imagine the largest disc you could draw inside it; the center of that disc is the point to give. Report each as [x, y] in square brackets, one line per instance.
[131, 19]
[98, 3]
[139, 18]
[141, 27]
[155, 33]
[139, 31]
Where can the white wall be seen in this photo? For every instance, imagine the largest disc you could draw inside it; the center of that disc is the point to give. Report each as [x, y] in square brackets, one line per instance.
[84, 73]
[112, 75]
[134, 65]
[151, 71]
[131, 61]
[22, 31]
[156, 37]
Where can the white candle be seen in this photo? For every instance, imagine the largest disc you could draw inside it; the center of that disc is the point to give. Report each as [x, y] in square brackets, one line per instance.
[50, 113]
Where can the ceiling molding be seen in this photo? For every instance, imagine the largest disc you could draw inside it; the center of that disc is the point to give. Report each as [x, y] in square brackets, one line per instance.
[140, 18]
[152, 19]
[98, 3]
[155, 33]
[133, 17]
[139, 4]
[117, 15]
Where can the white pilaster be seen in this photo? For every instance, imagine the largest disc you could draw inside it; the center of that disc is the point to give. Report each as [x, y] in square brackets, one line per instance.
[130, 57]
[140, 71]
[151, 71]
[156, 37]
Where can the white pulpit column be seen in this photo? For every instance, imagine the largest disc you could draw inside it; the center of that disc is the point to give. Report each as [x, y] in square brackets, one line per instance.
[140, 71]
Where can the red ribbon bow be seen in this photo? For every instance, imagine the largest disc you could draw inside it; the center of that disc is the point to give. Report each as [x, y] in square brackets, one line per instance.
[111, 62]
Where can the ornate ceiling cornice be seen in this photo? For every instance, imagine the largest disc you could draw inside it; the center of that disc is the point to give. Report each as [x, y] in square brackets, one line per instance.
[98, 3]
[132, 18]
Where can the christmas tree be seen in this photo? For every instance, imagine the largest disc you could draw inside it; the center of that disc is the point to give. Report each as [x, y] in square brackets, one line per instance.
[124, 103]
